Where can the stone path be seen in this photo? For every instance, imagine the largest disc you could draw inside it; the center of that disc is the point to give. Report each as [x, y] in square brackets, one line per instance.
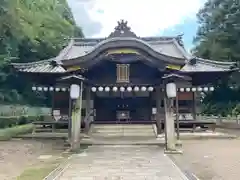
[122, 163]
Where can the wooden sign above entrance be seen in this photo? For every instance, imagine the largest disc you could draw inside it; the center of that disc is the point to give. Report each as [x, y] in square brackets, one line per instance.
[73, 68]
[122, 51]
[173, 67]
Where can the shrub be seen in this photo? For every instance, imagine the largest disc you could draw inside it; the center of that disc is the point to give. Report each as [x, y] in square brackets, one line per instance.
[8, 133]
[10, 121]
[22, 120]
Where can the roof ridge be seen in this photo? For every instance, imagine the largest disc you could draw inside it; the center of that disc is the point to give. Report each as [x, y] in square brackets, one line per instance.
[215, 62]
[33, 63]
[148, 38]
[65, 51]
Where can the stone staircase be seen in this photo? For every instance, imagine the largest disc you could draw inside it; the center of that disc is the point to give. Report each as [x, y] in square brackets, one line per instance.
[123, 130]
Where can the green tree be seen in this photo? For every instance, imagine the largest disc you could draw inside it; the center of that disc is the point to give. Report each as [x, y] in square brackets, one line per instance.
[30, 30]
[218, 38]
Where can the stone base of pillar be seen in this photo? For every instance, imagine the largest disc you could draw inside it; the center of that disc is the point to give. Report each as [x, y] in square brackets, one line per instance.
[178, 143]
[174, 151]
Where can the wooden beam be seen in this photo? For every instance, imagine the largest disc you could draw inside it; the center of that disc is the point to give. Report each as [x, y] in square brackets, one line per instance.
[194, 107]
[88, 107]
[177, 117]
[158, 113]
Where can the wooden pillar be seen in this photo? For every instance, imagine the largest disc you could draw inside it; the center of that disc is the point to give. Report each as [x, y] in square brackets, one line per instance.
[194, 107]
[169, 124]
[76, 121]
[158, 113]
[88, 108]
[177, 117]
[70, 119]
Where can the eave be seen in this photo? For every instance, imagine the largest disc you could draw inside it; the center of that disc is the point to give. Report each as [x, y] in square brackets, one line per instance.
[44, 66]
[205, 65]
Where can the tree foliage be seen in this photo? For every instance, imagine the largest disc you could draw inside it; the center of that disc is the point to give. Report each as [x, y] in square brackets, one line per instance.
[218, 39]
[30, 30]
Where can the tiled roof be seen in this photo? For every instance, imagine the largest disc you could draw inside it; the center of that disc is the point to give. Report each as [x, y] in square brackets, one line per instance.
[39, 67]
[80, 47]
[204, 65]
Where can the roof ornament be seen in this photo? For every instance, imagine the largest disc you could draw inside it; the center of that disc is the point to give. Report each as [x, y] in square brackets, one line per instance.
[122, 30]
[193, 61]
[179, 39]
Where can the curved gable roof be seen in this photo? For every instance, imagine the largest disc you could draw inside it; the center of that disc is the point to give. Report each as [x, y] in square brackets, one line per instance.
[78, 49]
[168, 51]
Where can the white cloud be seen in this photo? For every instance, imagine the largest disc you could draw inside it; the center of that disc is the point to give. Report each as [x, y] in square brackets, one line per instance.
[145, 17]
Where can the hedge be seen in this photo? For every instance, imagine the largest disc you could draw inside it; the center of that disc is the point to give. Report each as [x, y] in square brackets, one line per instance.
[11, 126]
[8, 133]
[10, 121]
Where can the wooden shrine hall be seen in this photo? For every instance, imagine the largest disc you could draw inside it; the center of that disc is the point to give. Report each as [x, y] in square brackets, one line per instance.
[122, 77]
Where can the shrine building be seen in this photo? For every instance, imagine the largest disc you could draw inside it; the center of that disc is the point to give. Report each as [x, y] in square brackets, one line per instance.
[122, 77]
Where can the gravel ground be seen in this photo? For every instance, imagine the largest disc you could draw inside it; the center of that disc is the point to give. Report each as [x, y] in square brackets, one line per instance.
[18, 155]
[211, 159]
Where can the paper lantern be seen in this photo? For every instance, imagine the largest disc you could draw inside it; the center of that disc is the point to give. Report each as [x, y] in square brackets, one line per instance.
[143, 88]
[74, 91]
[171, 90]
[107, 89]
[94, 89]
[136, 89]
[150, 89]
[100, 89]
[129, 89]
[115, 89]
[122, 89]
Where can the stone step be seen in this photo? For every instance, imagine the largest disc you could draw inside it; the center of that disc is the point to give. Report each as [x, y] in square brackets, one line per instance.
[125, 126]
[116, 130]
[123, 130]
[123, 135]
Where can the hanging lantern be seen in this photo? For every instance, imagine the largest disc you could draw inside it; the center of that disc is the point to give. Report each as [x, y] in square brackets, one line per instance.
[100, 88]
[211, 88]
[115, 89]
[57, 89]
[181, 89]
[51, 89]
[136, 89]
[205, 89]
[194, 89]
[188, 89]
[94, 89]
[39, 88]
[34, 88]
[150, 89]
[45, 89]
[129, 89]
[107, 89]
[200, 89]
[143, 88]
[122, 89]
[63, 89]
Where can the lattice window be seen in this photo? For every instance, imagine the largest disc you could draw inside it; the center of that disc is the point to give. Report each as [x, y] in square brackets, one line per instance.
[122, 72]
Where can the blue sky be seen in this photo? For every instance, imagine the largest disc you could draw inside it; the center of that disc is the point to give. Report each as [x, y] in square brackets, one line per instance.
[146, 17]
[188, 29]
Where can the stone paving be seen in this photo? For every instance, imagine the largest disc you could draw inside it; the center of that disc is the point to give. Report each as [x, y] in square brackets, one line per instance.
[122, 163]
